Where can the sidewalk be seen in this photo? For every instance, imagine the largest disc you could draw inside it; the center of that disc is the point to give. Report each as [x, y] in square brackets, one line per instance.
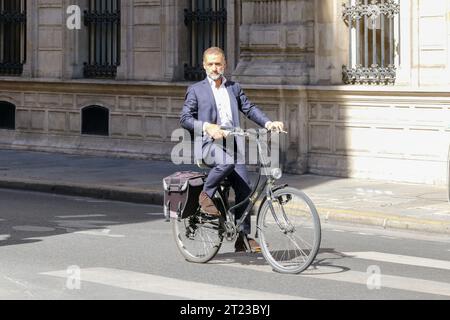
[384, 204]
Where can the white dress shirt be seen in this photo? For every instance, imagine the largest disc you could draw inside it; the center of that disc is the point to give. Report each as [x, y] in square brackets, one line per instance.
[223, 104]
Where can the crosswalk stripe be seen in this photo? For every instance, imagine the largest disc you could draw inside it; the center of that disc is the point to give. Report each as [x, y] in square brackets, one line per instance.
[388, 281]
[400, 259]
[362, 278]
[169, 286]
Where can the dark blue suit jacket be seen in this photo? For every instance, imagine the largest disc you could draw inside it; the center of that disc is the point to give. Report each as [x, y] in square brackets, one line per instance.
[200, 106]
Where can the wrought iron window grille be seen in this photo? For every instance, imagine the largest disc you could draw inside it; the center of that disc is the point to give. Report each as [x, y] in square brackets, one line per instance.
[370, 62]
[13, 20]
[206, 23]
[103, 22]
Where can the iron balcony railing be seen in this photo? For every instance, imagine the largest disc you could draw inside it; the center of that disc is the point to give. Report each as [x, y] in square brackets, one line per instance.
[12, 36]
[206, 23]
[371, 41]
[103, 22]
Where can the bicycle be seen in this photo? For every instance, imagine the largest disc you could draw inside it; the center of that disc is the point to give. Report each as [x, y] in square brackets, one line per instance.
[287, 222]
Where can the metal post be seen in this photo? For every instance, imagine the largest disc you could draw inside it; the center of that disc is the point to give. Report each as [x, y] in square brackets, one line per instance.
[350, 40]
[382, 37]
[391, 41]
[374, 41]
[366, 39]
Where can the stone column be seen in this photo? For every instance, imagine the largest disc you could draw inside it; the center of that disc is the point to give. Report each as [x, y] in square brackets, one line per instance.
[331, 42]
[232, 21]
[125, 70]
[174, 39]
[49, 39]
[31, 47]
[276, 42]
[75, 43]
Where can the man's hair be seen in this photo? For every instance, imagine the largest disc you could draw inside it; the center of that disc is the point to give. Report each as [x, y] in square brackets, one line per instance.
[213, 50]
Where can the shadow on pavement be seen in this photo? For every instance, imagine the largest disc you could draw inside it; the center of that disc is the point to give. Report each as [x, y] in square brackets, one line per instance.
[321, 266]
[28, 217]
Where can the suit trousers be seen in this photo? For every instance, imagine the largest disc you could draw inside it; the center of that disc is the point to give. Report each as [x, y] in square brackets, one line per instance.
[224, 165]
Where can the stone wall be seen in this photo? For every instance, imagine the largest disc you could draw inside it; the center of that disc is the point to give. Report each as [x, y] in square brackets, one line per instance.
[48, 117]
[276, 41]
[394, 134]
[283, 49]
[152, 33]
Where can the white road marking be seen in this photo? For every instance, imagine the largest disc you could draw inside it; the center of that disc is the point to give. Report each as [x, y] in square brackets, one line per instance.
[400, 259]
[4, 237]
[24, 286]
[76, 225]
[88, 200]
[362, 278]
[131, 280]
[100, 232]
[154, 214]
[361, 191]
[33, 229]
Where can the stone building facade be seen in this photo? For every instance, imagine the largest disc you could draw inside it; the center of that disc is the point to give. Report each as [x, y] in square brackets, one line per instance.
[288, 54]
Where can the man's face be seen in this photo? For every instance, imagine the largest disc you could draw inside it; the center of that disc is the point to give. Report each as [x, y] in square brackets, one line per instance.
[214, 65]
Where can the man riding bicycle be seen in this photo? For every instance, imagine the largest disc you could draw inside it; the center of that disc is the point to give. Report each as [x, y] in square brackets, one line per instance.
[209, 105]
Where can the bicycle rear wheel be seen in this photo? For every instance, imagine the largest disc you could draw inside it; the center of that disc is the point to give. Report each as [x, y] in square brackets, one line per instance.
[197, 237]
[289, 230]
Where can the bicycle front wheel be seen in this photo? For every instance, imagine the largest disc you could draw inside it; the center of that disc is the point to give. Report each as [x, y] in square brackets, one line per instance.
[197, 237]
[289, 230]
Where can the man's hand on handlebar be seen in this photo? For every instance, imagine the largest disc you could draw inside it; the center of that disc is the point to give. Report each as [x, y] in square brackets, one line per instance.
[215, 132]
[277, 126]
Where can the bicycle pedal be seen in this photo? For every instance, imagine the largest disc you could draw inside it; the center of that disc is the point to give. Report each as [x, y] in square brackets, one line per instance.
[206, 216]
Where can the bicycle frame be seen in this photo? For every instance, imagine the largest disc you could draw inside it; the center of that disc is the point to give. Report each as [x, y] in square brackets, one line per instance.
[257, 192]
[285, 248]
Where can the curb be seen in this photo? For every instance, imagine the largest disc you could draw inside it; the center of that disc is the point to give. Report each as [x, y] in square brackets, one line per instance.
[156, 197]
[83, 190]
[391, 221]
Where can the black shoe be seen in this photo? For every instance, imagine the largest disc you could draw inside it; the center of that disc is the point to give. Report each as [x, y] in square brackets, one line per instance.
[246, 244]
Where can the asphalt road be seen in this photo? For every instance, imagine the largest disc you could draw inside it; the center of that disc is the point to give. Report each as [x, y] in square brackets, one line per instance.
[60, 247]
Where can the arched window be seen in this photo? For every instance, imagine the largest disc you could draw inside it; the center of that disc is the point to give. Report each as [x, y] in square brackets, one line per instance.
[7, 116]
[95, 121]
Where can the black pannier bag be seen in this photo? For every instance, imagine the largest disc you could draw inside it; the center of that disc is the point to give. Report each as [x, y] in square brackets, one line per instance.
[181, 192]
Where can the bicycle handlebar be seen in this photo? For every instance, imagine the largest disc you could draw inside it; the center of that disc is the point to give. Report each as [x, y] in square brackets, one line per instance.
[243, 132]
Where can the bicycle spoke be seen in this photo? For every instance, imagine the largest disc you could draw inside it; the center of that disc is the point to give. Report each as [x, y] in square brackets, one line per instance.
[302, 253]
[197, 241]
[292, 228]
